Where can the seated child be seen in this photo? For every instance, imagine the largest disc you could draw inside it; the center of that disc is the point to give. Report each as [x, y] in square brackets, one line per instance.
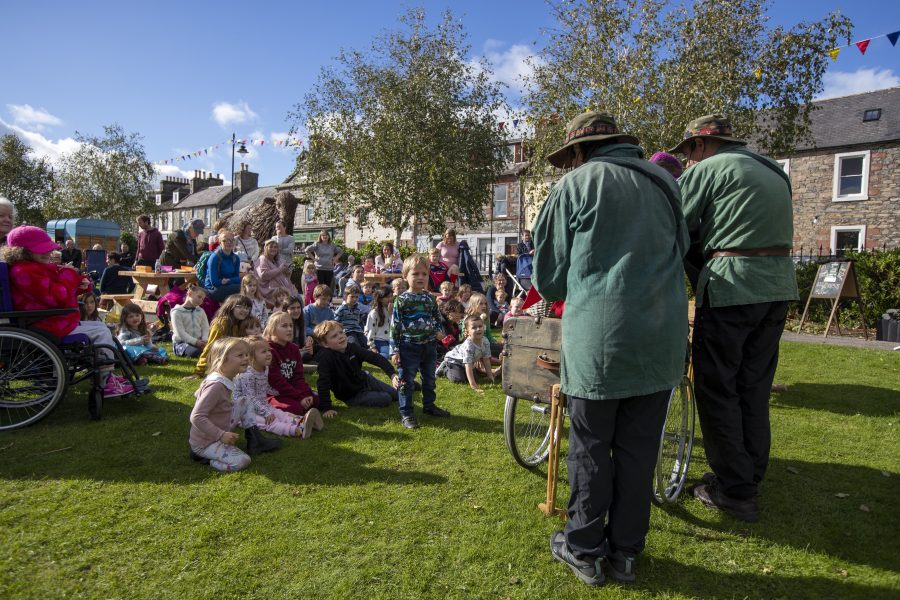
[250, 327]
[213, 417]
[294, 308]
[349, 315]
[459, 363]
[438, 271]
[357, 278]
[502, 306]
[478, 307]
[134, 334]
[226, 323]
[464, 293]
[89, 308]
[454, 313]
[515, 308]
[340, 371]
[36, 283]
[286, 371]
[378, 321]
[252, 386]
[369, 264]
[190, 326]
[250, 288]
[447, 292]
[398, 286]
[320, 310]
[279, 297]
[365, 298]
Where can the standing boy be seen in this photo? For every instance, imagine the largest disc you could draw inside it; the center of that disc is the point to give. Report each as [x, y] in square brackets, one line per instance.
[415, 325]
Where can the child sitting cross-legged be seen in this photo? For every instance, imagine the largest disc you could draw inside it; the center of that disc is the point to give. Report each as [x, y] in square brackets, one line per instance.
[134, 334]
[215, 413]
[252, 386]
[320, 310]
[340, 371]
[226, 323]
[349, 315]
[454, 313]
[286, 372]
[190, 327]
[460, 362]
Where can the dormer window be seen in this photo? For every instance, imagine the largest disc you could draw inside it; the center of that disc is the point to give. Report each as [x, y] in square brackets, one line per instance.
[158, 199]
[873, 114]
[176, 196]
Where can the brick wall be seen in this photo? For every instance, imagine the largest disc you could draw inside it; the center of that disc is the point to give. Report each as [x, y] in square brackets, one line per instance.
[815, 213]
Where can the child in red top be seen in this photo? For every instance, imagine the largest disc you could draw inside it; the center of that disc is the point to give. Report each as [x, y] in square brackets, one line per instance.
[36, 284]
[286, 371]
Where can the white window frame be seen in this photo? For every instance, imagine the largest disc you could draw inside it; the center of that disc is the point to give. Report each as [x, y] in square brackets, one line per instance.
[785, 165]
[310, 213]
[505, 202]
[835, 229]
[864, 189]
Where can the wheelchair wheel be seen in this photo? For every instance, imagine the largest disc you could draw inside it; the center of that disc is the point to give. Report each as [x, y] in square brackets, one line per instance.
[526, 426]
[33, 378]
[675, 445]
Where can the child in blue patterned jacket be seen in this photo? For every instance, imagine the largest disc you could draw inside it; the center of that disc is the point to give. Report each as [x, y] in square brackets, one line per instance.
[415, 328]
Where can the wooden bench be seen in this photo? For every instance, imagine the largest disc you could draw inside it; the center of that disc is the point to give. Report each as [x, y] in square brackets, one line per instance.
[121, 299]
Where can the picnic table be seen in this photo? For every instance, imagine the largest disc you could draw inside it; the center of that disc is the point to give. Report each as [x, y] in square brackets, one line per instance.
[160, 282]
[381, 278]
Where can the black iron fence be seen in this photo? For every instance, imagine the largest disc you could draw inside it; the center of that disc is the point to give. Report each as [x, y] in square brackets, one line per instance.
[823, 254]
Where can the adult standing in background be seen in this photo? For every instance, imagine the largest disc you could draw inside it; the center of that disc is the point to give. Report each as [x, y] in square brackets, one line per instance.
[449, 248]
[150, 243]
[7, 218]
[72, 255]
[610, 242]
[324, 252]
[737, 205]
[526, 246]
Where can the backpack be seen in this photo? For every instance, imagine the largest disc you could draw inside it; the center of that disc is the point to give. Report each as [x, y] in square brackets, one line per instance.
[201, 267]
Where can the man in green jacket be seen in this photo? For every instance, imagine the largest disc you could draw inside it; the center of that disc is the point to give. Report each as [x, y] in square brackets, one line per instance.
[609, 241]
[737, 205]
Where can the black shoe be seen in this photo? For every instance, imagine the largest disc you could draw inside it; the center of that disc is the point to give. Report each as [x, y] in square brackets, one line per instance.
[436, 411]
[409, 422]
[588, 572]
[713, 497]
[200, 459]
[620, 567]
[709, 478]
[257, 442]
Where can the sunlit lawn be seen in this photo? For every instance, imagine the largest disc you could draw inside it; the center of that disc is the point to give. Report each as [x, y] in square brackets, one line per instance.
[114, 509]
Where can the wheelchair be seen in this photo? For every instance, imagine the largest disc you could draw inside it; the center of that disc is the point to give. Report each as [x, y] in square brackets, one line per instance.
[36, 369]
[527, 414]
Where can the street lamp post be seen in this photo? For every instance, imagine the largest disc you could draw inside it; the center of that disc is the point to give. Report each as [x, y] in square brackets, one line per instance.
[242, 151]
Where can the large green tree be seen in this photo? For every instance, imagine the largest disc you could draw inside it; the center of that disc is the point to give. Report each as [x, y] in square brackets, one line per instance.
[657, 65]
[107, 177]
[25, 180]
[404, 134]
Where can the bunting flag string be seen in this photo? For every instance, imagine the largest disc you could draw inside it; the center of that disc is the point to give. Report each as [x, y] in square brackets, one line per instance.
[863, 45]
[291, 141]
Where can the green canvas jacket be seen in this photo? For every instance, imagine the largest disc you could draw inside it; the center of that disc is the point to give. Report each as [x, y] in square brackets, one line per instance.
[608, 241]
[731, 201]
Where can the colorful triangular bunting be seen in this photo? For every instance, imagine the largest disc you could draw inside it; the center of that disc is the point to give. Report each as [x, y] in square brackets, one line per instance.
[893, 37]
[863, 45]
[834, 53]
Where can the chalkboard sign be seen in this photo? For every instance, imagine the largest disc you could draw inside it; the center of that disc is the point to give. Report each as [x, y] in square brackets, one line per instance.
[835, 280]
[832, 281]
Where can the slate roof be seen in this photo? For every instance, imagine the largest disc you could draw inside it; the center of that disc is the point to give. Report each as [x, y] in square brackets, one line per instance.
[211, 196]
[254, 197]
[839, 121]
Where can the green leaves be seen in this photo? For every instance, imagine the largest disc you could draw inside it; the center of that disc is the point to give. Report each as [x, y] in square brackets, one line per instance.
[403, 135]
[24, 180]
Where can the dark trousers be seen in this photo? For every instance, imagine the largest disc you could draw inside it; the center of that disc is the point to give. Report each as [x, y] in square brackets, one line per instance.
[223, 291]
[613, 445]
[735, 352]
[416, 358]
[374, 393]
[325, 277]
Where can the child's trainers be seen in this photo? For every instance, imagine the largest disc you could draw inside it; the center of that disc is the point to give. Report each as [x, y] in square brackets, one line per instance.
[115, 388]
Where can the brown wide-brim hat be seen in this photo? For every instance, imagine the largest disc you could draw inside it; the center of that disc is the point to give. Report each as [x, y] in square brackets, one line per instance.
[591, 126]
[716, 127]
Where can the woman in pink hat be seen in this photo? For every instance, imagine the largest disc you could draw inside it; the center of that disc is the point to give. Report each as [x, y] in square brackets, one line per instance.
[36, 284]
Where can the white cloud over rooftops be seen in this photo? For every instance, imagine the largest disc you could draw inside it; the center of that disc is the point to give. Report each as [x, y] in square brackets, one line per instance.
[510, 66]
[847, 83]
[41, 147]
[26, 115]
[226, 113]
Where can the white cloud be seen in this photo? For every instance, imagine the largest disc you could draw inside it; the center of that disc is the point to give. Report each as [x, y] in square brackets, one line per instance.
[41, 146]
[37, 118]
[225, 113]
[844, 83]
[510, 66]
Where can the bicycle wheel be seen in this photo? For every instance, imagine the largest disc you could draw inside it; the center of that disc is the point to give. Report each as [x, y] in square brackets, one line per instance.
[526, 426]
[33, 378]
[675, 445]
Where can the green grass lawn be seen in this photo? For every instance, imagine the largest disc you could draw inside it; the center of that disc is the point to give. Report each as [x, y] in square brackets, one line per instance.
[114, 509]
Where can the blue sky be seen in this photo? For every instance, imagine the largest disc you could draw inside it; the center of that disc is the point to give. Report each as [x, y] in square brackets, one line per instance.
[185, 75]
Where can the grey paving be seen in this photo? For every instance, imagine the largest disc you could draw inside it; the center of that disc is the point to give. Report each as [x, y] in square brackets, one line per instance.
[833, 340]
